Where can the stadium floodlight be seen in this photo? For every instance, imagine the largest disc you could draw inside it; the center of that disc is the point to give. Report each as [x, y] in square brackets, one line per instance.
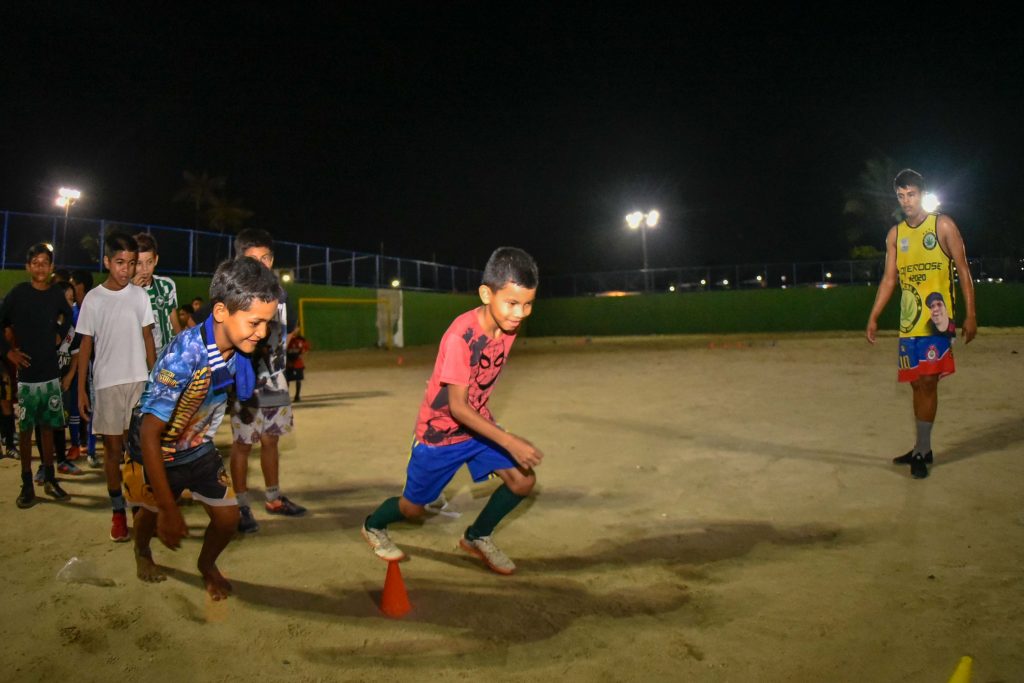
[396, 283]
[930, 202]
[725, 283]
[703, 282]
[828, 275]
[759, 278]
[642, 221]
[671, 288]
[285, 275]
[66, 198]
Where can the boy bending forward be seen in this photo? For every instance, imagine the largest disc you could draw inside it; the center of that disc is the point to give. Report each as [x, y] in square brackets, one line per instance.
[454, 424]
[171, 437]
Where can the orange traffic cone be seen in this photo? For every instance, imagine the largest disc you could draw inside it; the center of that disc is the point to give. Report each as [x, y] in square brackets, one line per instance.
[394, 601]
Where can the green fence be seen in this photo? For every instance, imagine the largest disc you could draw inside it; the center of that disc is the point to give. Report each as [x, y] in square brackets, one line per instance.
[427, 315]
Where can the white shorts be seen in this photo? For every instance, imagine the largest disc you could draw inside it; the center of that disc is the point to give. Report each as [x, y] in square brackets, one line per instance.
[112, 408]
[249, 424]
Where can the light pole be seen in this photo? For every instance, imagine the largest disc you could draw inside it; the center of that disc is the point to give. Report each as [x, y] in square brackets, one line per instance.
[642, 221]
[66, 197]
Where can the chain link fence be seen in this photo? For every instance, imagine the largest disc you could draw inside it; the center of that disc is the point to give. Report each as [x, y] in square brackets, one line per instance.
[78, 243]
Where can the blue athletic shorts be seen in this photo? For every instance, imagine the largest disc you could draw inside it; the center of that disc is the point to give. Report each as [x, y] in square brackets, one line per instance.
[432, 467]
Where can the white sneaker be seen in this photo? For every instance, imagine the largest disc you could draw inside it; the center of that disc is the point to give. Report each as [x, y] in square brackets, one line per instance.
[491, 554]
[383, 546]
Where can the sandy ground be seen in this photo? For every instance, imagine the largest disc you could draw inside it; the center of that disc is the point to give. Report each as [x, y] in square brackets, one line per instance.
[709, 509]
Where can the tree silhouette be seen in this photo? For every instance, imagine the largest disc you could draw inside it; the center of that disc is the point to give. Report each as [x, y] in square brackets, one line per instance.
[201, 190]
[869, 208]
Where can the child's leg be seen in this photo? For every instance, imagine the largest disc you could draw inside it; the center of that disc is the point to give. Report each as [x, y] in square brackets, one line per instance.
[298, 389]
[223, 522]
[145, 529]
[240, 470]
[112, 445]
[270, 457]
[516, 485]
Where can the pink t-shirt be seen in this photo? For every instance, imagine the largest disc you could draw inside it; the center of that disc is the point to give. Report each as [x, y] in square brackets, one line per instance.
[469, 358]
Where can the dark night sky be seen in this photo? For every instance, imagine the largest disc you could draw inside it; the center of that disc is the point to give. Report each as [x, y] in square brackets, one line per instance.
[448, 129]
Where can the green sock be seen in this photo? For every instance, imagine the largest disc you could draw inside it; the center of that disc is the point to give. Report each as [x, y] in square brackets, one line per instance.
[502, 502]
[387, 513]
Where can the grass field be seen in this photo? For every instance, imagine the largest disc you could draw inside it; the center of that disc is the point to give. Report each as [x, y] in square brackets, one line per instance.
[709, 509]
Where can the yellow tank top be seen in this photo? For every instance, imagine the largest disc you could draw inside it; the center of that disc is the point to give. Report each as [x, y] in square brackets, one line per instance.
[926, 280]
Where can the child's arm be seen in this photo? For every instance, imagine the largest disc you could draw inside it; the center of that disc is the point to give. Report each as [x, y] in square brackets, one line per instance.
[521, 450]
[84, 351]
[147, 338]
[170, 525]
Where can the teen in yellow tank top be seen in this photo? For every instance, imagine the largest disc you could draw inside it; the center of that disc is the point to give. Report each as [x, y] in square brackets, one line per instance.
[926, 280]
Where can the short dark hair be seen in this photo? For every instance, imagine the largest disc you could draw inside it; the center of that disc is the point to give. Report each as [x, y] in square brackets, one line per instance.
[117, 242]
[64, 286]
[198, 298]
[146, 242]
[908, 177]
[252, 237]
[62, 275]
[509, 264]
[932, 298]
[37, 249]
[238, 281]
[82, 277]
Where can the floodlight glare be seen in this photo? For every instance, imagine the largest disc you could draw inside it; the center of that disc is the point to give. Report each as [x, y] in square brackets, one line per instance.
[49, 246]
[396, 283]
[286, 277]
[759, 278]
[704, 282]
[671, 288]
[62, 202]
[652, 218]
[725, 282]
[69, 193]
[930, 202]
[828, 276]
[634, 219]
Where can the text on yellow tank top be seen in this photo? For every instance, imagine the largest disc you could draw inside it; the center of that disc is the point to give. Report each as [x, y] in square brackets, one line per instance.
[925, 271]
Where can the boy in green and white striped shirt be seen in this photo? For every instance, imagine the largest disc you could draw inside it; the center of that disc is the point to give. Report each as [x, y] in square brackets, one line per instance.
[163, 295]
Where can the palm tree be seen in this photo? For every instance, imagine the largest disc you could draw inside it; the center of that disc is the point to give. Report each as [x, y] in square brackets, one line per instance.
[869, 205]
[201, 191]
[225, 215]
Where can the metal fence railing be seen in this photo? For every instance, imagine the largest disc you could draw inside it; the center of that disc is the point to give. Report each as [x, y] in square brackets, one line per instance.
[756, 276]
[78, 243]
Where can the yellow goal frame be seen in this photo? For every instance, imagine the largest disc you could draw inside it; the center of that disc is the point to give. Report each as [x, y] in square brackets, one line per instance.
[328, 300]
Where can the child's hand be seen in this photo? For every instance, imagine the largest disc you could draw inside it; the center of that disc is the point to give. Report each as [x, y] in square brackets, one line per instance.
[525, 453]
[171, 527]
[20, 359]
[84, 409]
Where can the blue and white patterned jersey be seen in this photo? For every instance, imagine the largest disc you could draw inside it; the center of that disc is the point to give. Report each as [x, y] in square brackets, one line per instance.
[181, 392]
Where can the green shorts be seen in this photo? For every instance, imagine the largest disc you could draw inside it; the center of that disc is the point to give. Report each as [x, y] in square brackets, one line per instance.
[40, 403]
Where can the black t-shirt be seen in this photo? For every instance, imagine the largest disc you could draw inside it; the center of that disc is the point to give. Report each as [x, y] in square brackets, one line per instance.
[38, 317]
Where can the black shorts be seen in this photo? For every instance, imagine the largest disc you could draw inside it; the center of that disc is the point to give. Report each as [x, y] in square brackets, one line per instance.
[295, 374]
[205, 477]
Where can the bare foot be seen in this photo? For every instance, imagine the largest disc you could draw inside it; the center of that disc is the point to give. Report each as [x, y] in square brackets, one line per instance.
[145, 567]
[217, 586]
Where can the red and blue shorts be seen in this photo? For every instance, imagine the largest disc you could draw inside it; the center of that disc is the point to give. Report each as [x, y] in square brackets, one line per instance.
[925, 356]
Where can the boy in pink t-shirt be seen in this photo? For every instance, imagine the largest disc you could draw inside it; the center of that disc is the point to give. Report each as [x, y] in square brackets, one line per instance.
[454, 425]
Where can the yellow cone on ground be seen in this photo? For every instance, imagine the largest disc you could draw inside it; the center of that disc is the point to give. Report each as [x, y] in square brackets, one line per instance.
[963, 671]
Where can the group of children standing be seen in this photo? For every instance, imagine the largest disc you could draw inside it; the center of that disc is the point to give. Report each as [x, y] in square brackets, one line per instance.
[157, 391]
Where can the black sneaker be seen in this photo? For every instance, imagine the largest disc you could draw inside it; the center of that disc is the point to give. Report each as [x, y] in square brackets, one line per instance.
[53, 489]
[919, 466]
[247, 524]
[908, 458]
[27, 498]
